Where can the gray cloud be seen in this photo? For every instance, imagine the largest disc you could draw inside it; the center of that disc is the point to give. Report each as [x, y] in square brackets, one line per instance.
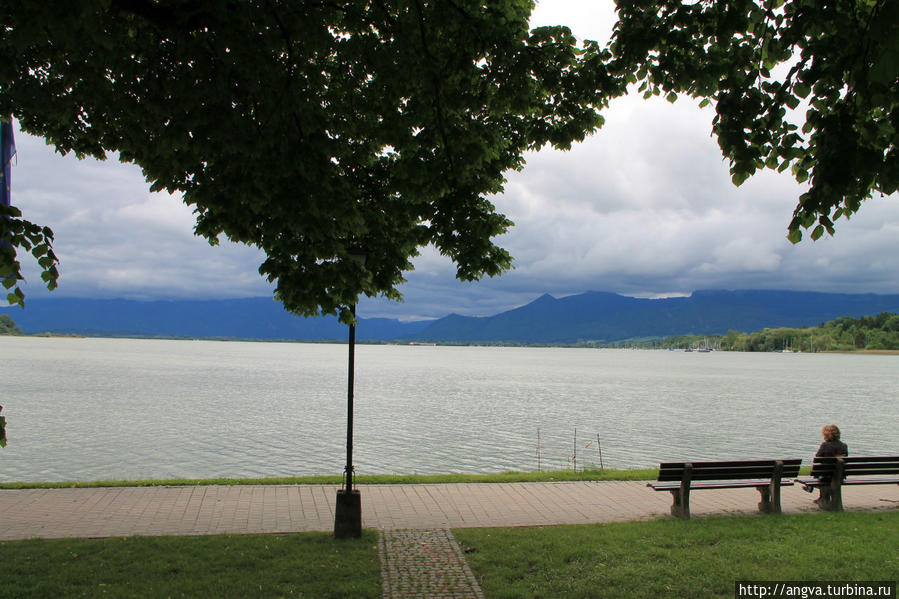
[644, 207]
[116, 239]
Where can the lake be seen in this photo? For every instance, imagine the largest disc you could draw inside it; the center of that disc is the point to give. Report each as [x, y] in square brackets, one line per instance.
[87, 409]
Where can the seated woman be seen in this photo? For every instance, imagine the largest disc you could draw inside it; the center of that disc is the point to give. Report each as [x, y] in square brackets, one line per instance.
[831, 447]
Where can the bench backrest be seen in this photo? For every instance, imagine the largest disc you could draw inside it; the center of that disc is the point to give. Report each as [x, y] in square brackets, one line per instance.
[856, 466]
[733, 470]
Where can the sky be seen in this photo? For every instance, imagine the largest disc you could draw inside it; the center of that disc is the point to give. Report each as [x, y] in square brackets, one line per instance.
[644, 207]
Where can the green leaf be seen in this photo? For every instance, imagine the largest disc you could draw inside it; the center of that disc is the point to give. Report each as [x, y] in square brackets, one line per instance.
[739, 177]
[794, 236]
[16, 298]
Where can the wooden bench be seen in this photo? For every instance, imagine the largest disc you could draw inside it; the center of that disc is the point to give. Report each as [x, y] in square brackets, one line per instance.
[768, 476]
[832, 474]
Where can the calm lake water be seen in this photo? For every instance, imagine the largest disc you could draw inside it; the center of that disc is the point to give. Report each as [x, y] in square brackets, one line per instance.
[86, 409]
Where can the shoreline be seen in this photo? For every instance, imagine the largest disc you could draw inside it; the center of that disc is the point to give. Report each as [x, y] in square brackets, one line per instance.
[365, 479]
[873, 352]
[48, 335]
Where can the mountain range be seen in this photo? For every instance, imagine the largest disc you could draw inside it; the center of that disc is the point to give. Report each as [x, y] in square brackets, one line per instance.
[593, 316]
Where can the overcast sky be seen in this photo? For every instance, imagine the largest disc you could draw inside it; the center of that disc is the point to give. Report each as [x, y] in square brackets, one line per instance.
[644, 207]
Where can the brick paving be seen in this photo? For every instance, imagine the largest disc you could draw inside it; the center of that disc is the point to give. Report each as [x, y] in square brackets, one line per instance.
[420, 558]
[425, 564]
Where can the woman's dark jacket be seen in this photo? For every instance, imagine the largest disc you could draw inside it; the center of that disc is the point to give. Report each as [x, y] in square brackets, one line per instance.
[830, 449]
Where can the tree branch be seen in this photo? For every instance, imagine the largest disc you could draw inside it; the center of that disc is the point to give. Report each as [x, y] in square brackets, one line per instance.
[435, 80]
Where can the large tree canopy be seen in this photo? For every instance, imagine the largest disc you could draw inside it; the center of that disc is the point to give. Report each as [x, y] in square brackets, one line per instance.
[315, 129]
[758, 60]
[312, 129]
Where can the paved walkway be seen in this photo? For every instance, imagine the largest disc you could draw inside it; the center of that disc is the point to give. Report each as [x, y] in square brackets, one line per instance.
[419, 557]
[124, 511]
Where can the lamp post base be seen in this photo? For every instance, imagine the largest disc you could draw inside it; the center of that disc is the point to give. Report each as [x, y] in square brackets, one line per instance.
[348, 514]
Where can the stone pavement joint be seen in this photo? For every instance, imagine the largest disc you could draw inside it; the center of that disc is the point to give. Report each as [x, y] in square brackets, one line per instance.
[424, 564]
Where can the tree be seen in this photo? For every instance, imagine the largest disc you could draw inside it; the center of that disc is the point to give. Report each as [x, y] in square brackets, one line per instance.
[8, 326]
[311, 129]
[758, 61]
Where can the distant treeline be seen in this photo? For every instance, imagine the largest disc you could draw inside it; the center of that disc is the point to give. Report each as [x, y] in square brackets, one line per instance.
[8, 326]
[879, 332]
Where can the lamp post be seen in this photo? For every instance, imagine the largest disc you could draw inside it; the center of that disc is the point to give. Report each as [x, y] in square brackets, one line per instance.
[348, 512]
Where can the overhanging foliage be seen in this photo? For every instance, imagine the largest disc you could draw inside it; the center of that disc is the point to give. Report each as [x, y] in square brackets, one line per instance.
[319, 129]
[313, 130]
[763, 62]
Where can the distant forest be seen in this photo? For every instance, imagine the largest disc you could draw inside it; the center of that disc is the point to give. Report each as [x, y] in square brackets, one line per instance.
[879, 332]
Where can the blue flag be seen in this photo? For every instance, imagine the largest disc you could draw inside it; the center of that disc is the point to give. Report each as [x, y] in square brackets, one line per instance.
[7, 151]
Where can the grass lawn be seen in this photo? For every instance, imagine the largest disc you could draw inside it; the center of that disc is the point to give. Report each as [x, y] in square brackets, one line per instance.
[301, 565]
[674, 558]
[660, 558]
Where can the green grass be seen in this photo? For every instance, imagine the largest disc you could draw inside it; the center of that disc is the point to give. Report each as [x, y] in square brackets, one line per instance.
[661, 558]
[374, 479]
[309, 565]
[668, 558]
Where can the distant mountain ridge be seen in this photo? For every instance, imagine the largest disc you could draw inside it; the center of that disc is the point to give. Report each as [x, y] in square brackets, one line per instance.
[249, 318]
[609, 317]
[592, 316]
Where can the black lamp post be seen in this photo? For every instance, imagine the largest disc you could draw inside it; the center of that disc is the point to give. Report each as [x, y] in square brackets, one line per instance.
[348, 513]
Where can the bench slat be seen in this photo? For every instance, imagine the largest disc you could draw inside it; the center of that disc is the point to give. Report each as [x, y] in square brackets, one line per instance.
[667, 486]
[871, 481]
[857, 461]
[731, 463]
[814, 482]
[730, 474]
[860, 466]
[852, 472]
[872, 470]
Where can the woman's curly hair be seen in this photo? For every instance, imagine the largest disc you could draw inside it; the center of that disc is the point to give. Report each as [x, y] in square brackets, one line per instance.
[831, 432]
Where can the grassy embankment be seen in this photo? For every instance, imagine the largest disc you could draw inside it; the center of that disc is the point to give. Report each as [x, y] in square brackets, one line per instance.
[372, 479]
[369, 479]
[662, 558]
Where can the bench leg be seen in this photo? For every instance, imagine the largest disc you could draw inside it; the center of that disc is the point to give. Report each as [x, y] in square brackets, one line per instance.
[770, 498]
[832, 493]
[766, 506]
[680, 504]
[832, 496]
